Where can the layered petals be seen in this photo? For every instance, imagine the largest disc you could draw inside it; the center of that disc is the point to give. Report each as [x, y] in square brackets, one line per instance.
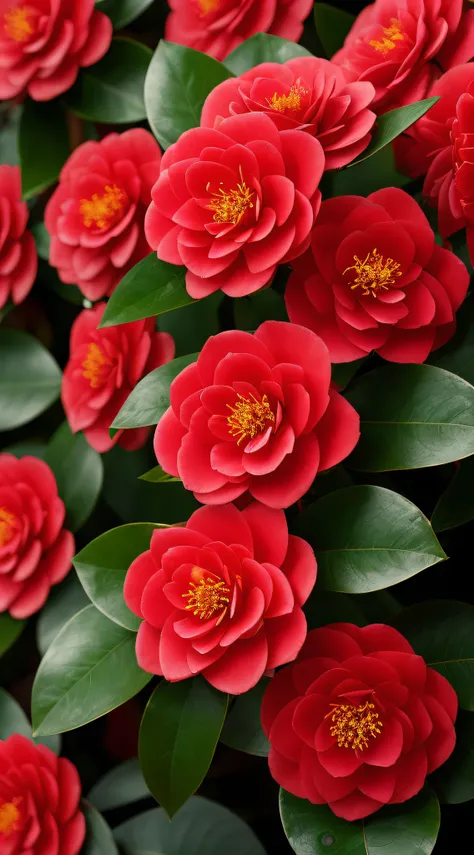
[18, 258]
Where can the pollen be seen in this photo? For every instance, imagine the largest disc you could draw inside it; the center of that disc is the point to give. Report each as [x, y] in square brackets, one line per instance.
[103, 210]
[292, 101]
[389, 38]
[353, 726]
[249, 417]
[95, 365]
[9, 816]
[207, 595]
[207, 6]
[8, 523]
[18, 24]
[230, 207]
[374, 273]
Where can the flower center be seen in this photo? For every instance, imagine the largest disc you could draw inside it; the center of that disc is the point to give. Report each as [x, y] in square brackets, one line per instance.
[18, 25]
[102, 210]
[8, 523]
[352, 726]
[9, 816]
[374, 273]
[207, 594]
[230, 207]
[249, 417]
[95, 365]
[389, 38]
[207, 6]
[292, 101]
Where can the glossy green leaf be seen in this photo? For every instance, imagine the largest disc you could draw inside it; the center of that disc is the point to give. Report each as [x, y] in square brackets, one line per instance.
[178, 736]
[454, 780]
[64, 601]
[43, 145]
[456, 505]
[410, 828]
[158, 476]
[112, 89]
[123, 785]
[343, 372]
[42, 240]
[102, 566]
[30, 379]
[78, 471]
[10, 630]
[391, 125]
[89, 669]
[178, 82]
[192, 325]
[332, 26]
[148, 289]
[458, 354]
[262, 47]
[253, 310]
[412, 416]
[367, 176]
[99, 838]
[442, 631]
[122, 12]
[14, 720]
[367, 538]
[151, 397]
[243, 730]
[323, 607]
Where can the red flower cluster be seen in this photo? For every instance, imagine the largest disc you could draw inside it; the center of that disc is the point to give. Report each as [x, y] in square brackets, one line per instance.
[104, 366]
[216, 27]
[256, 412]
[308, 94]
[35, 550]
[358, 721]
[234, 202]
[399, 45]
[95, 216]
[39, 801]
[221, 597]
[375, 280]
[18, 259]
[43, 43]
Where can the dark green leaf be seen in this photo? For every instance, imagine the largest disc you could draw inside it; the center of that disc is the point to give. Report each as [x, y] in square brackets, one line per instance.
[332, 26]
[192, 325]
[10, 121]
[30, 379]
[14, 720]
[243, 729]
[44, 145]
[64, 601]
[148, 289]
[112, 89]
[263, 48]
[88, 670]
[78, 471]
[42, 240]
[458, 354]
[454, 780]
[343, 372]
[10, 630]
[325, 607]
[265, 305]
[122, 12]
[178, 736]
[391, 125]
[99, 838]
[366, 538]
[456, 505]
[412, 416]
[30, 448]
[368, 176]
[158, 476]
[151, 397]
[121, 786]
[178, 82]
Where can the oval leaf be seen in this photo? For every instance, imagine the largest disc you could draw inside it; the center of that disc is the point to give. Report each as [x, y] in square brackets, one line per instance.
[89, 669]
[456, 505]
[454, 780]
[151, 396]
[64, 601]
[178, 736]
[122, 12]
[243, 730]
[391, 125]
[10, 630]
[14, 720]
[78, 471]
[30, 379]
[458, 354]
[263, 48]
[158, 476]
[43, 145]
[99, 838]
[121, 786]
[332, 26]
[148, 289]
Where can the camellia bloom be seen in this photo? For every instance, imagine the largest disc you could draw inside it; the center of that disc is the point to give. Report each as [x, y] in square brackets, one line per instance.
[44, 43]
[374, 279]
[231, 204]
[104, 366]
[216, 27]
[400, 45]
[358, 721]
[308, 94]
[95, 216]
[221, 597]
[35, 550]
[39, 801]
[256, 412]
[18, 259]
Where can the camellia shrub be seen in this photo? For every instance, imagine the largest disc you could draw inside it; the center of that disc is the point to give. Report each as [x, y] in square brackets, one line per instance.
[236, 426]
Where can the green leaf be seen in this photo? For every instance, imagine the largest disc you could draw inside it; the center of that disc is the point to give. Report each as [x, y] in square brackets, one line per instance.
[30, 379]
[410, 828]
[242, 729]
[332, 26]
[343, 372]
[325, 607]
[30, 448]
[158, 476]
[10, 122]
[456, 505]
[121, 786]
[112, 89]
[42, 240]
[151, 396]
[10, 630]
[178, 737]
[251, 311]
[78, 471]
[43, 145]
[178, 82]
[201, 827]
[442, 631]
[454, 780]
[412, 416]
[99, 838]
[192, 325]
[14, 720]
[102, 566]
[367, 177]
[262, 48]
[366, 538]
[391, 125]
[458, 354]
[148, 289]
[122, 12]
[89, 669]
[64, 601]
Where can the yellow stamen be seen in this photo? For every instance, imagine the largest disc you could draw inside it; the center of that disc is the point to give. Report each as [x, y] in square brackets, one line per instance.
[9, 816]
[249, 417]
[230, 207]
[374, 272]
[207, 6]
[18, 24]
[354, 725]
[207, 595]
[94, 364]
[389, 38]
[8, 523]
[292, 101]
[101, 211]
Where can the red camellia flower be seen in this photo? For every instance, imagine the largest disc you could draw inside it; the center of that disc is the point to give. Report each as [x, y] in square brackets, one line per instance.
[374, 279]
[221, 597]
[18, 259]
[231, 204]
[307, 94]
[400, 45]
[35, 550]
[104, 366]
[95, 216]
[216, 27]
[39, 801]
[44, 43]
[358, 721]
[256, 412]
